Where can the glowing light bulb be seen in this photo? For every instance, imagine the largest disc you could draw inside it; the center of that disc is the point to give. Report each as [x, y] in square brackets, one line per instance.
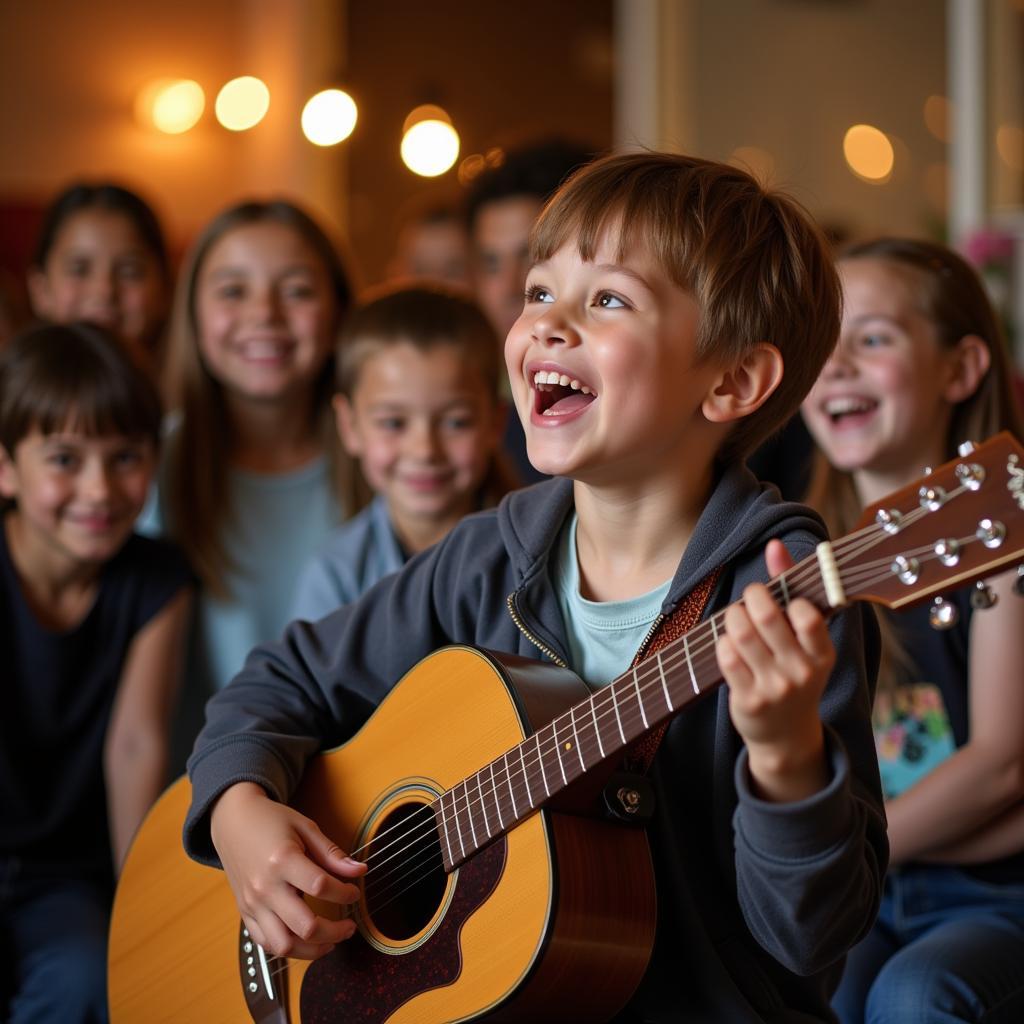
[242, 103]
[329, 117]
[430, 147]
[171, 105]
[869, 153]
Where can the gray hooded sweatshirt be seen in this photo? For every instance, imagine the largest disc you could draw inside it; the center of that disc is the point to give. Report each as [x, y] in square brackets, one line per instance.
[758, 903]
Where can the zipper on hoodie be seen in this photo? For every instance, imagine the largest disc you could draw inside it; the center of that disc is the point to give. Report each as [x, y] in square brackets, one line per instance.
[543, 648]
[655, 625]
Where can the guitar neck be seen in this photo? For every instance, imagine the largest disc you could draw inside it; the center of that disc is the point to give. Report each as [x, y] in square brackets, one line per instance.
[507, 790]
[954, 525]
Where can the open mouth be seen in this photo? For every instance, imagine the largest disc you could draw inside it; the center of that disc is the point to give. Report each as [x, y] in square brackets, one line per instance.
[558, 394]
[849, 409]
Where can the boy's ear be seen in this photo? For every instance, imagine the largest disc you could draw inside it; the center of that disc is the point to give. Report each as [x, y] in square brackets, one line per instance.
[345, 421]
[971, 361]
[39, 295]
[745, 387]
[8, 478]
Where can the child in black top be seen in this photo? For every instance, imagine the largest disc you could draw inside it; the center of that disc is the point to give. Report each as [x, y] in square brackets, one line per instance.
[94, 619]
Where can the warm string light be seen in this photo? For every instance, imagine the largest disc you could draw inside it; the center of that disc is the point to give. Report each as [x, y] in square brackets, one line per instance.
[430, 145]
[329, 117]
[171, 105]
[242, 103]
[869, 153]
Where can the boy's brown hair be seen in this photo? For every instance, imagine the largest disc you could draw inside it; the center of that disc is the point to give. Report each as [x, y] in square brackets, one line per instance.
[752, 257]
[73, 376]
[425, 317]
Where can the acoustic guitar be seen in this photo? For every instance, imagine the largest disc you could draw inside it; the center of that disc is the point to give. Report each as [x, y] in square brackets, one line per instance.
[489, 894]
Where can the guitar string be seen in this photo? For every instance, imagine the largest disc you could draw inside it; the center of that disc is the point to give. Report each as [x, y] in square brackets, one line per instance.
[608, 707]
[631, 719]
[807, 570]
[796, 576]
[431, 850]
[846, 548]
[414, 864]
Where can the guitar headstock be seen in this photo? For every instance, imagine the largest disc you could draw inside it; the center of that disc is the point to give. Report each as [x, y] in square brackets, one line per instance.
[961, 523]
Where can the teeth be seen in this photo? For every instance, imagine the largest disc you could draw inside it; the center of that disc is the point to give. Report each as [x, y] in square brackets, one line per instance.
[543, 378]
[841, 406]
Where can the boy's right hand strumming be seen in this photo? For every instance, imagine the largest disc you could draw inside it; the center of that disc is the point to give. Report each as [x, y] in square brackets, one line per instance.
[271, 855]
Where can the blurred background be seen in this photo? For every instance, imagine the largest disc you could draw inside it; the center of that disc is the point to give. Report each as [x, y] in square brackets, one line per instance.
[879, 115]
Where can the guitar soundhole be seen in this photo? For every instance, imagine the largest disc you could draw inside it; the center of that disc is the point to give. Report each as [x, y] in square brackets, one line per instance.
[406, 880]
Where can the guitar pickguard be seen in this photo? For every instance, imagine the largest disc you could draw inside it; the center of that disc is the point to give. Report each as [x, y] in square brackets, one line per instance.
[358, 982]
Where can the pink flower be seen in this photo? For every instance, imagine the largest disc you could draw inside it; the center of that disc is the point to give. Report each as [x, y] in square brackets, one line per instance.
[988, 247]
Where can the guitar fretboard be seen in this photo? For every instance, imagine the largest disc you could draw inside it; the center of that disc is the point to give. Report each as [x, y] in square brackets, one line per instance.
[507, 790]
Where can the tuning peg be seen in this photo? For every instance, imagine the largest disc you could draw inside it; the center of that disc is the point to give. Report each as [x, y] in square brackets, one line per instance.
[1018, 583]
[942, 614]
[982, 596]
[965, 449]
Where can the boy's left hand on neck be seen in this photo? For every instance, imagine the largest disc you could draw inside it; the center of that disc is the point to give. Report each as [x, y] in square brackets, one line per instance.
[777, 664]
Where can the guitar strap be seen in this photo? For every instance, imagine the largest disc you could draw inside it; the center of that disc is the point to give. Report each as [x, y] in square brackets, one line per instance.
[682, 620]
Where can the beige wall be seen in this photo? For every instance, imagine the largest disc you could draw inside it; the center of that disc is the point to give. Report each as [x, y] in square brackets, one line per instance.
[788, 77]
[70, 72]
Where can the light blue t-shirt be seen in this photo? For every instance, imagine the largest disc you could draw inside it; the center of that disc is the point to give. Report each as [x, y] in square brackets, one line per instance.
[355, 556]
[275, 524]
[604, 636]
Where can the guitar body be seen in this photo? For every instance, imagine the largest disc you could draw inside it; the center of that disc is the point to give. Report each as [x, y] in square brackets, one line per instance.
[553, 920]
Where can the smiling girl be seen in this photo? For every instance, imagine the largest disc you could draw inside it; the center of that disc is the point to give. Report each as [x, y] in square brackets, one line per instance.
[101, 257]
[920, 367]
[253, 479]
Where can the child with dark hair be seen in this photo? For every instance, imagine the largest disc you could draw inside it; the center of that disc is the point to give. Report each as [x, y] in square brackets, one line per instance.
[675, 314]
[94, 618]
[921, 367]
[101, 257]
[419, 408]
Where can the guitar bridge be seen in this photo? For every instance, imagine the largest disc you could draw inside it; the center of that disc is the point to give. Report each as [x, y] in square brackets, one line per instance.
[264, 991]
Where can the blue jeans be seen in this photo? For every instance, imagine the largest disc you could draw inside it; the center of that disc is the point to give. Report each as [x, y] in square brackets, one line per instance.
[946, 947]
[53, 948]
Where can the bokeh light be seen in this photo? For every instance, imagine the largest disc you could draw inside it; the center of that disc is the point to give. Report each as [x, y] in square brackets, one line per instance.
[869, 153]
[171, 105]
[242, 103]
[430, 145]
[329, 117]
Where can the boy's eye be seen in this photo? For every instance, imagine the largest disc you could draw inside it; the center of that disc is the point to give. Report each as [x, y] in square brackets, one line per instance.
[230, 291]
[77, 268]
[128, 458]
[535, 293]
[62, 459]
[299, 291]
[464, 421]
[389, 423]
[606, 300]
[875, 340]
